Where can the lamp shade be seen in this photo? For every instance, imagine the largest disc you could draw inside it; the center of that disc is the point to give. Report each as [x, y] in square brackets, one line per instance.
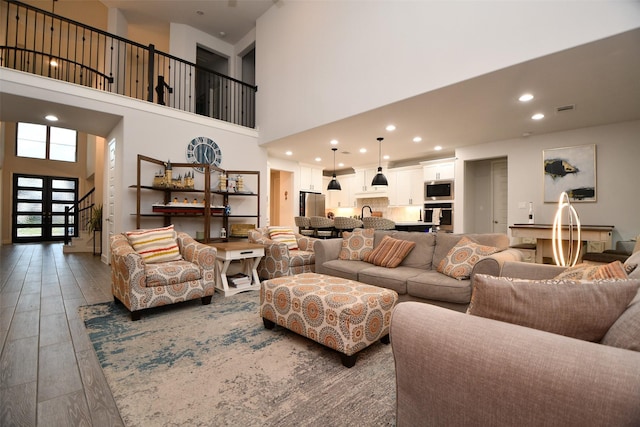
[379, 179]
[334, 185]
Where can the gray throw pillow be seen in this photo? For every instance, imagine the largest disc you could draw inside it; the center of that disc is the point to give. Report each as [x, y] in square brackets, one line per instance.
[625, 332]
[574, 308]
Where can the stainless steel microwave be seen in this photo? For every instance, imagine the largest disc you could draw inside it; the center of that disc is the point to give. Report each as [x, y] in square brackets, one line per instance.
[438, 190]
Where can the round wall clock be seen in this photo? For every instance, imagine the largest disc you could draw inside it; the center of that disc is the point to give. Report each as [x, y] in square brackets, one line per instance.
[203, 150]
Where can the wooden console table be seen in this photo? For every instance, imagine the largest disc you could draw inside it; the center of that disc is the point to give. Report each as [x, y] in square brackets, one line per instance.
[543, 235]
[249, 254]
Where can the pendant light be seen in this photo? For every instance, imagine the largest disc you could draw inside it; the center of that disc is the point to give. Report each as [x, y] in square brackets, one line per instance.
[379, 179]
[334, 184]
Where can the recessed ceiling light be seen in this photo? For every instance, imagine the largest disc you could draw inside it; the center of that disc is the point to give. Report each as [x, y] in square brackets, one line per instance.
[417, 139]
[334, 142]
[341, 164]
[318, 159]
[538, 116]
[525, 97]
[288, 153]
[390, 128]
[363, 150]
[386, 157]
[437, 147]
[51, 118]
[53, 63]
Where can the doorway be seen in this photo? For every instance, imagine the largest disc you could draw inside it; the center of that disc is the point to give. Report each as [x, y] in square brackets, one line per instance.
[485, 198]
[281, 200]
[39, 207]
[212, 94]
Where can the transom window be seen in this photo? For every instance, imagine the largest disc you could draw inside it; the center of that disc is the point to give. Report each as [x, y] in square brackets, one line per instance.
[46, 142]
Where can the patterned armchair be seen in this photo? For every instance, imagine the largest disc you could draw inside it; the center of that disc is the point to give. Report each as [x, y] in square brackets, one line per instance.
[279, 260]
[139, 285]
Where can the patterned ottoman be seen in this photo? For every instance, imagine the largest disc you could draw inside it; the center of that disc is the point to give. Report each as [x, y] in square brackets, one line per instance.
[342, 314]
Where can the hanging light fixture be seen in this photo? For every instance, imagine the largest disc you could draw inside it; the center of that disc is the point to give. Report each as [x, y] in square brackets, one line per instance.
[574, 244]
[379, 179]
[334, 184]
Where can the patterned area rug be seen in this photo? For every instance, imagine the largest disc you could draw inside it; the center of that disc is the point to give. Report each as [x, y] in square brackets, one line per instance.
[217, 365]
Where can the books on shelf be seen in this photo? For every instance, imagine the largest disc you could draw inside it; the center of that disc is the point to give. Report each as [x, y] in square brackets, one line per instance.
[239, 279]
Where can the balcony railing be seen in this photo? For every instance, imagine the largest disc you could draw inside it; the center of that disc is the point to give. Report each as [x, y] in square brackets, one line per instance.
[42, 43]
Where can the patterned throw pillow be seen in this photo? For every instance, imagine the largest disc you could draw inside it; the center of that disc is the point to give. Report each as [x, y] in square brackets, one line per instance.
[155, 244]
[583, 309]
[357, 244]
[283, 235]
[390, 252]
[462, 257]
[613, 270]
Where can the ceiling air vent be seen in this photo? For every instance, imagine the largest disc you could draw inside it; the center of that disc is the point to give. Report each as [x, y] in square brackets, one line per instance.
[565, 108]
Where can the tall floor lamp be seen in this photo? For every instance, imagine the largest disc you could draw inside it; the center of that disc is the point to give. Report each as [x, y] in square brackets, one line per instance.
[574, 244]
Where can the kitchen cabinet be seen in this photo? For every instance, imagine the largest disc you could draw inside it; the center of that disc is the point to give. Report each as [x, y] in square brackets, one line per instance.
[363, 180]
[343, 198]
[437, 170]
[406, 186]
[311, 179]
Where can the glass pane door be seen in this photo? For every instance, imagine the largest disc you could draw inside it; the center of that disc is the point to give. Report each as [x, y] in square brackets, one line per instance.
[39, 205]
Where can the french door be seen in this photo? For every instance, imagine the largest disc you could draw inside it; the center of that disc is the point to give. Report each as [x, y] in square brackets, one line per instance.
[38, 207]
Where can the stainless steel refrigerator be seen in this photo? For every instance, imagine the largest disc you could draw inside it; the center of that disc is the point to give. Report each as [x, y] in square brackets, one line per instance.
[311, 204]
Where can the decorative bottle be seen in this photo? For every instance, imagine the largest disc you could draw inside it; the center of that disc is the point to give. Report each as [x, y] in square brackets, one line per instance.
[531, 221]
[223, 233]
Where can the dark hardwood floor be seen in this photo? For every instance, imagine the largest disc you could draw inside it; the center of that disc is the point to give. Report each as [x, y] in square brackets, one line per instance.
[49, 373]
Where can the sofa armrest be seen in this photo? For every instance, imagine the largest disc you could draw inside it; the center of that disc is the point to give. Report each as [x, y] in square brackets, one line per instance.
[305, 243]
[492, 264]
[527, 270]
[514, 375]
[326, 250]
[127, 270]
[204, 256]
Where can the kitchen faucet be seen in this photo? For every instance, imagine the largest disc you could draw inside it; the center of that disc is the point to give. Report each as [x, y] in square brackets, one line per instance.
[362, 211]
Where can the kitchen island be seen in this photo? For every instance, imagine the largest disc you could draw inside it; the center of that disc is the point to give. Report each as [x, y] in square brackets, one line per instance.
[414, 226]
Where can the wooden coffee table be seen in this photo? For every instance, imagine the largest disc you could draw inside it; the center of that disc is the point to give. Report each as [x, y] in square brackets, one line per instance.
[249, 254]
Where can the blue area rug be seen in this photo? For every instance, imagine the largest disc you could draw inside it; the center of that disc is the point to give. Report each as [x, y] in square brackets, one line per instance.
[217, 365]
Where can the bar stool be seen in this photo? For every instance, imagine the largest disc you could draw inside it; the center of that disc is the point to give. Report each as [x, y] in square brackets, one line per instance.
[378, 223]
[304, 225]
[323, 227]
[343, 223]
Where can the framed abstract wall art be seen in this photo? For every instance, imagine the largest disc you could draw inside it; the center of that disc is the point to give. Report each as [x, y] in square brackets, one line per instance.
[570, 169]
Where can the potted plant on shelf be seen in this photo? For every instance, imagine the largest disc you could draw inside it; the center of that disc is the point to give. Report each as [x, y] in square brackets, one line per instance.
[95, 220]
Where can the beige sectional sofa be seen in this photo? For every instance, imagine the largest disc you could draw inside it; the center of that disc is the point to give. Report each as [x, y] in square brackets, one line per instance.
[416, 278]
[520, 376]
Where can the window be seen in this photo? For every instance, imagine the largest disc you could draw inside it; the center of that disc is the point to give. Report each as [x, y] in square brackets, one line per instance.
[46, 142]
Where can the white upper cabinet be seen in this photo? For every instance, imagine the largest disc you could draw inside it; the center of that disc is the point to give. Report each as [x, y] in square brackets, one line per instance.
[437, 170]
[311, 179]
[343, 198]
[363, 180]
[406, 186]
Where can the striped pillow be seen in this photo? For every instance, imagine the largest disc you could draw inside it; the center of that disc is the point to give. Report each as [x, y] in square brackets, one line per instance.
[284, 235]
[155, 244]
[390, 252]
[613, 270]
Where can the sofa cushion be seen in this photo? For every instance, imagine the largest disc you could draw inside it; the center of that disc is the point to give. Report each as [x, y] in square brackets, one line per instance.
[579, 309]
[343, 268]
[175, 273]
[436, 286]
[356, 244]
[625, 332]
[390, 278]
[283, 235]
[155, 244]
[583, 271]
[390, 252]
[422, 253]
[462, 257]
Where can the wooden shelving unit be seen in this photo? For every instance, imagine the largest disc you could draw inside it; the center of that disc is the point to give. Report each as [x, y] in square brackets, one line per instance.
[207, 192]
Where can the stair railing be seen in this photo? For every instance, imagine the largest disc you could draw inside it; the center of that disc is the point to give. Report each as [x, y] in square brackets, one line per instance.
[78, 215]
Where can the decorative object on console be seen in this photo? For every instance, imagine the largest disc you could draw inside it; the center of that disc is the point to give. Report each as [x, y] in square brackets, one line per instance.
[203, 150]
[379, 179]
[571, 170]
[334, 184]
[574, 244]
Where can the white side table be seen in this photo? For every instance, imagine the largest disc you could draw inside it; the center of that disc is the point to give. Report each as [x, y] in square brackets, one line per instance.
[249, 254]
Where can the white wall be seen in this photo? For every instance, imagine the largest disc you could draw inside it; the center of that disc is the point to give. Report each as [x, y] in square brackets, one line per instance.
[320, 61]
[617, 176]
